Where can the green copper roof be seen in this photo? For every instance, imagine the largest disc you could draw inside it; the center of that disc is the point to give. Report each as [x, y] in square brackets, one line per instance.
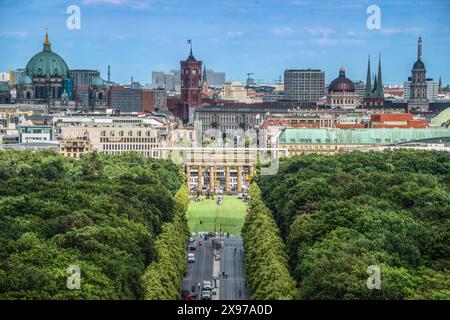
[97, 81]
[441, 118]
[359, 136]
[25, 80]
[47, 63]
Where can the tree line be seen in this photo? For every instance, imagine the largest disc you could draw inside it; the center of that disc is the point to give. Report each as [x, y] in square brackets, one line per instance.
[163, 278]
[266, 262]
[340, 214]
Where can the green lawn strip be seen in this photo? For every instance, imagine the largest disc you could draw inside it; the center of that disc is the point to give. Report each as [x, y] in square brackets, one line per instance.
[230, 215]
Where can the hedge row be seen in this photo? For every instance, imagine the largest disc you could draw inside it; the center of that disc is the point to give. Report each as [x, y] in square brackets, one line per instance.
[265, 259]
[162, 279]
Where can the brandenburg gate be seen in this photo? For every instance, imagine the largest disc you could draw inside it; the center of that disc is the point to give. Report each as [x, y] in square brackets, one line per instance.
[211, 169]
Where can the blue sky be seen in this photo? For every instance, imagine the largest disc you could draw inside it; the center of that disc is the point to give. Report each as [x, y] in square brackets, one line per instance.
[261, 36]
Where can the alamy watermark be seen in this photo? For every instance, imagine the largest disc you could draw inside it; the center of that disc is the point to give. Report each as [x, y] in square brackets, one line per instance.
[374, 20]
[73, 277]
[74, 20]
[374, 280]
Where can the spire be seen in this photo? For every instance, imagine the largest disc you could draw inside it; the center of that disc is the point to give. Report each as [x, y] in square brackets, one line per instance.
[419, 49]
[191, 56]
[368, 81]
[204, 74]
[380, 91]
[375, 85]
[47, 46]
[440, 86]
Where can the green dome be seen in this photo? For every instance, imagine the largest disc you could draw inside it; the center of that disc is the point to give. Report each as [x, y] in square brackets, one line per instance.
[25, 80]
[97, 81]
[4, 87]
[441, 118]
[47, 63]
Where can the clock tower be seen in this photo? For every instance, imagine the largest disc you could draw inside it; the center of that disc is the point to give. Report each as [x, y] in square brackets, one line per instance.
[190, 84]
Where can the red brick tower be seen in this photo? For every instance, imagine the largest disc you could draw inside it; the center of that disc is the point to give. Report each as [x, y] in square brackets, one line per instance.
[190, 84]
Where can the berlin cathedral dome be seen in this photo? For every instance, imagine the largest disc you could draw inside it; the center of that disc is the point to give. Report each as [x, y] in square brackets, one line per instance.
[47, 63]
[45, 79]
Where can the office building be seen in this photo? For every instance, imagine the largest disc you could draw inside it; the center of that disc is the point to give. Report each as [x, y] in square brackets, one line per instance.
[83, 77]
[29, 134]
[304, 85]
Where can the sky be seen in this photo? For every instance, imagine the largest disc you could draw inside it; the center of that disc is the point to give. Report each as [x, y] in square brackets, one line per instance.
[264, 37]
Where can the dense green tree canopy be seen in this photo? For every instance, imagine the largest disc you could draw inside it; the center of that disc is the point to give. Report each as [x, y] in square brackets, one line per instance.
[340, 214]
[101, 213]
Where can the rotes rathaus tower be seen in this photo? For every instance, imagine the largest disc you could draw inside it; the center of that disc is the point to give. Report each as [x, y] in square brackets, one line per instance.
[418, 88]
[190, 84]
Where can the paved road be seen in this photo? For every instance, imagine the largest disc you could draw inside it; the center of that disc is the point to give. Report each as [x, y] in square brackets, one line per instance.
[201, 269]
[233, 265]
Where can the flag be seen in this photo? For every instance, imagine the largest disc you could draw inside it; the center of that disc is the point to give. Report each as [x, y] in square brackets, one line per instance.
[189, 41]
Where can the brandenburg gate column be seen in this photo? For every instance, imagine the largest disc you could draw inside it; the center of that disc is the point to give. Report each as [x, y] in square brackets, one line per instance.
[212, 177]
[227, 179]
[239, 179]
[200, 179]
[251, 171]
[188, 177]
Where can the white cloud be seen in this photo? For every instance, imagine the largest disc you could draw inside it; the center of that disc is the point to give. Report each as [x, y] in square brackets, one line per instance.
[332, 42]
[14, 34]
[325, 32]
[325, 40]
[234, 34]
[392, 31]
[135, 4]
[282, 31]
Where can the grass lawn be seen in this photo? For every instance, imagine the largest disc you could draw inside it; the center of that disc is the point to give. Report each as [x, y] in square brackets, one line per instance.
[205, 214]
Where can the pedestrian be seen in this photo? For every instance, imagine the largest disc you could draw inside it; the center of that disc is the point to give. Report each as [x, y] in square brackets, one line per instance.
[234, 250]
[240, 293]
[223, 274]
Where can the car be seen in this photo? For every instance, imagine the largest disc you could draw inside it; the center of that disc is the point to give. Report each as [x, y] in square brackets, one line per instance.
[206, 294]
[192, 245]
[191, 258]
[207, 285]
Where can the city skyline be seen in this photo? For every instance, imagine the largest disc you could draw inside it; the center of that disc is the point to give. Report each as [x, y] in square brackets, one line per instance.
[151, 35]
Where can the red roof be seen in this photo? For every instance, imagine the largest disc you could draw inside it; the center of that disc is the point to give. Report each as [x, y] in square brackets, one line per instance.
[391, 117]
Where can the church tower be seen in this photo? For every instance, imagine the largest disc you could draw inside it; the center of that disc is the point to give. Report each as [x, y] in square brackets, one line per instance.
[205, 85]
[418, 85]
[190, 84]
[374, 95]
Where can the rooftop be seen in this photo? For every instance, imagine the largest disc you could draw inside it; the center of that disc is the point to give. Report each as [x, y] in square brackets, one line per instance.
[366, 136]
